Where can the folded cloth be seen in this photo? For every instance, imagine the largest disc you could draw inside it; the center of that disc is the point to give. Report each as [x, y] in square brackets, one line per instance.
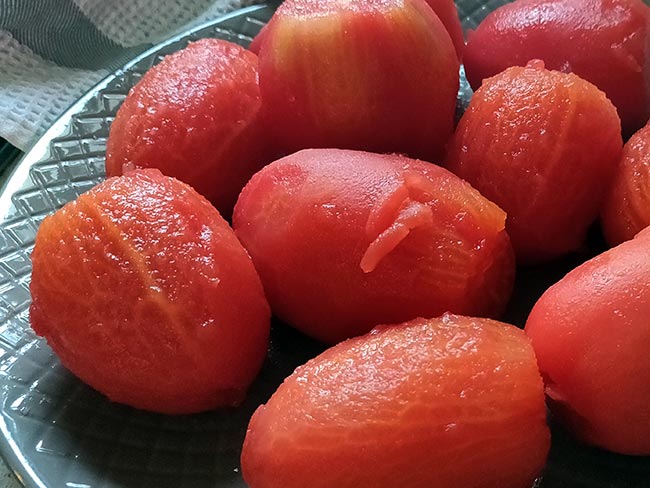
[53, 51]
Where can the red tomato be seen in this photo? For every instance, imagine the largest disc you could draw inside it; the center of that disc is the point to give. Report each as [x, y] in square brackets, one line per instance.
[626, 210]
[345, 240]
[195, 116]
[376, 76]
[453, 402]
[145, 293]
[591, 332]
[601, 41]
[544, 146]
[445, 10]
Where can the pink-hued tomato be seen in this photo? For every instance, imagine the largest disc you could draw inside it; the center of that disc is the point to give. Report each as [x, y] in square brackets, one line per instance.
[445, 10]
[345, 240]
[379, 75]
[590, 332]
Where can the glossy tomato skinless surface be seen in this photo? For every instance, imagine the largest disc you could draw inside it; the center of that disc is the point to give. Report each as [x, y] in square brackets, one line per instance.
[626, 210]
[345, 240]
[445, 10]
[195, 116]
[601, 41]
[591, 333]
[144, 292]
[380, 75]
[544, 146]
[452, 402]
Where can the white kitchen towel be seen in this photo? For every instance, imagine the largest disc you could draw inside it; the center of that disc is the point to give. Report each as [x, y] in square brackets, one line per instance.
[53, 51]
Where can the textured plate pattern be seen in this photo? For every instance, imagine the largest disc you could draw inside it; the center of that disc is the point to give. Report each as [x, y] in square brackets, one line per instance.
[56, 432]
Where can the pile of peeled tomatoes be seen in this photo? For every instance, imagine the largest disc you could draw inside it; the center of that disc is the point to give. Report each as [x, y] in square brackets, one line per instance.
[322, 178]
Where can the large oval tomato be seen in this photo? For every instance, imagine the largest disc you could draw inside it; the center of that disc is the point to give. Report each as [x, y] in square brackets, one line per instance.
[544, 146]
[375, 76]
[591, 333]
[452, 402]
[346, 240]
[445, 10]
[145, 293]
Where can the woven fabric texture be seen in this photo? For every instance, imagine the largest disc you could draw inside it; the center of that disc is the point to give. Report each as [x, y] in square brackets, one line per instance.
[53, 51]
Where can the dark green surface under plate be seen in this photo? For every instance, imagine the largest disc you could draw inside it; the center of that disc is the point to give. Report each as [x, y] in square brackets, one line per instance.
[57, 432]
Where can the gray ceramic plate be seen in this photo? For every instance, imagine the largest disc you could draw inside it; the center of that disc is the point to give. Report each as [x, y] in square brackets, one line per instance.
[56, 432]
